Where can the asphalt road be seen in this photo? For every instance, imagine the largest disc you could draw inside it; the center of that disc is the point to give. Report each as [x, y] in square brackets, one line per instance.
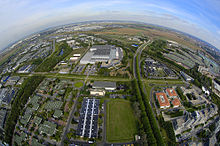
[138, 51]
[71, 115]
[54, 45]
[69, 120]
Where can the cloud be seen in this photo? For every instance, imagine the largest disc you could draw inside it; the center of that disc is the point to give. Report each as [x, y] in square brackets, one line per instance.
[21, 17]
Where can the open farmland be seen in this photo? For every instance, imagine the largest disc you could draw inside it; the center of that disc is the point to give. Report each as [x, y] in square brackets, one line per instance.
[121, 123]
[154, 33]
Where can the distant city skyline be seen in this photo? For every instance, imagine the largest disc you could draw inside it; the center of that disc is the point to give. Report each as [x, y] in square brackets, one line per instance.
[199, 18]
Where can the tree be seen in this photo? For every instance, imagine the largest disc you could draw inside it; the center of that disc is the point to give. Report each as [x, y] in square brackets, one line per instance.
[27, 89]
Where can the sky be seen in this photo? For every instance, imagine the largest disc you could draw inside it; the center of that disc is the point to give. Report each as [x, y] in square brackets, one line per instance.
[19, 18]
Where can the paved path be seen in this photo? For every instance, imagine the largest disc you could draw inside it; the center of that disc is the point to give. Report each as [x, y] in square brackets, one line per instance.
[71, 115]
[54, 41]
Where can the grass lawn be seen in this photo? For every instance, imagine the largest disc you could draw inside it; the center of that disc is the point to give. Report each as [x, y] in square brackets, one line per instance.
[78, 84]
[161, 73]
[162, 81]
[121, 122]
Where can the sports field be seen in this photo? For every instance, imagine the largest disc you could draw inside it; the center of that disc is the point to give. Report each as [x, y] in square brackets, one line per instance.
[78, 84]
[121, 122]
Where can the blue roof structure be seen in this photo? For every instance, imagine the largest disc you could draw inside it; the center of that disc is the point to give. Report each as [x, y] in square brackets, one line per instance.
[61, 53]
[6, 79]
[134, 45]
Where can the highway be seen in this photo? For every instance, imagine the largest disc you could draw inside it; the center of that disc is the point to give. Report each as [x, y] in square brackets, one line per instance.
[138, 51]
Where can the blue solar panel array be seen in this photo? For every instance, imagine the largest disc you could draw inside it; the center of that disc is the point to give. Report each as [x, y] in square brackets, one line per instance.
[88, 123]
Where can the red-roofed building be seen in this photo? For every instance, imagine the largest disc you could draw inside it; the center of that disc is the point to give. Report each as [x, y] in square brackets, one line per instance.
[163, 100]
[176, 102]
[171, 92]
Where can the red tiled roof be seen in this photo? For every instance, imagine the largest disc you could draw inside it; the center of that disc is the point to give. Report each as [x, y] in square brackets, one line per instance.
[176, 102]
[171, 92]
[162, 98]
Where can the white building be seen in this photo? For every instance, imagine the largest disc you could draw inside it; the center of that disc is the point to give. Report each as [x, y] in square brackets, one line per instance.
[216, 86]
[63, 63]
[102, 53]
[74, 58]
[61, 39]
[71, 42]
[97, 92]
[205, 90]
[76, 55]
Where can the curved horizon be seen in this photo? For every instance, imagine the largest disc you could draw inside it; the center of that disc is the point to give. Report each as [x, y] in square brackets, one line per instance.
[197, 18]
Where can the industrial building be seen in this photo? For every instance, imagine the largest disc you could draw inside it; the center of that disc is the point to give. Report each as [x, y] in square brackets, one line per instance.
[6, 95]
[186, 77]
[26, 69]
[104, 85]
[102, 53]
[13, 80]
[88, 123]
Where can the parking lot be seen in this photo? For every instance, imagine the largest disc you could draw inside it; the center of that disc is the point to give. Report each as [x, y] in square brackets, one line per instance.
[92, 69]
[78, 69]
[155, 69]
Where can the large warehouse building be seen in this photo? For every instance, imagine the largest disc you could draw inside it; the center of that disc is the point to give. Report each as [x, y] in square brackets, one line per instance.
[102, 53]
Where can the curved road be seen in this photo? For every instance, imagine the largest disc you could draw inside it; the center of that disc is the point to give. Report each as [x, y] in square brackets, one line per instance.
[139, 51]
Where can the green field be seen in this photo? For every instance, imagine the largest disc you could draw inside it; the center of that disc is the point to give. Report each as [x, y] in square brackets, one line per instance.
[78, 84]
[121, 122]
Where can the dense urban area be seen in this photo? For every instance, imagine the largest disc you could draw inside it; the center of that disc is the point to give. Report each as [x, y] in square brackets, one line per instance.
[105, 83]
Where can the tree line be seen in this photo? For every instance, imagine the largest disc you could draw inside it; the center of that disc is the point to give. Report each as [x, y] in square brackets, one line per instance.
[155, 136]
[26, 90]
[145, 126]
[167, 125]
[50, 62]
